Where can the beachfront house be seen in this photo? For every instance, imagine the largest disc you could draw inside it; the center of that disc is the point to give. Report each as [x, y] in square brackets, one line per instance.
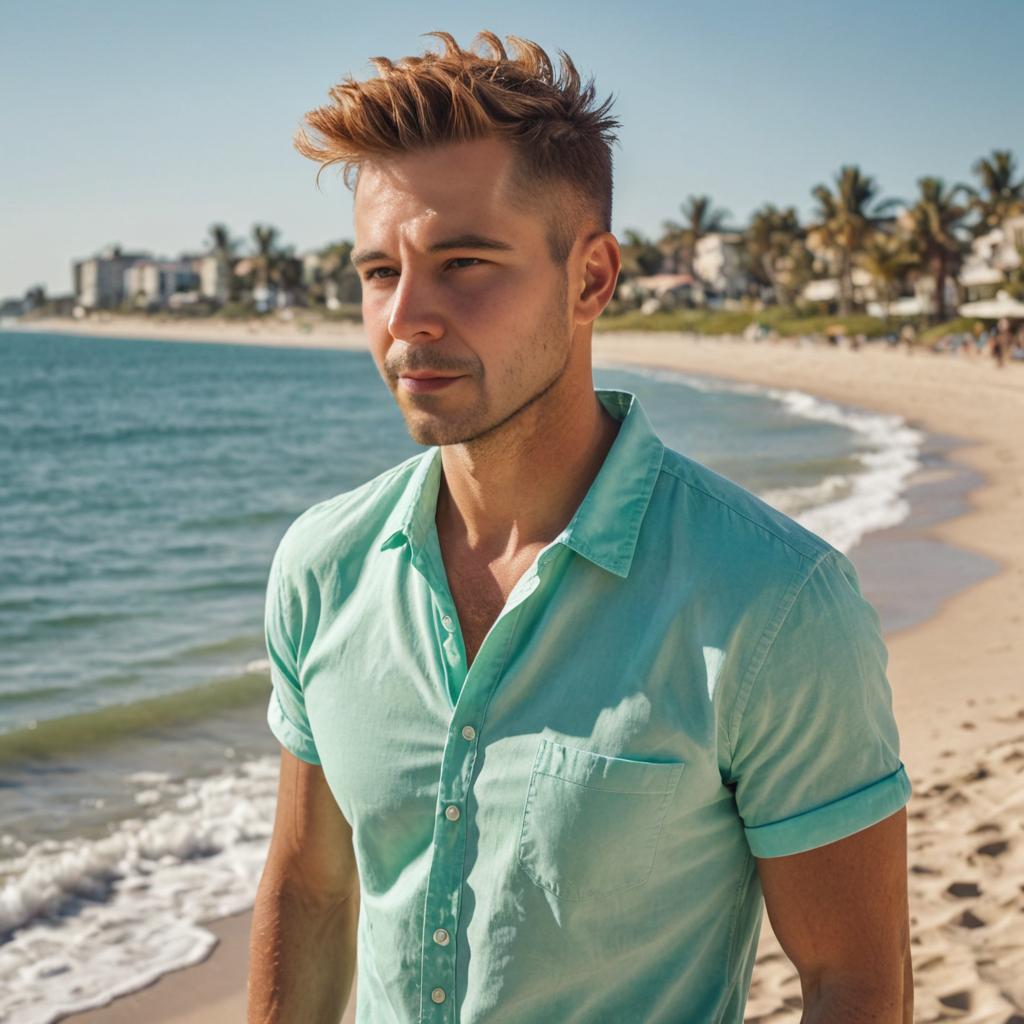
[656, 292]
[826, 289]
[992, 257]
[718, 264]
[98, 281]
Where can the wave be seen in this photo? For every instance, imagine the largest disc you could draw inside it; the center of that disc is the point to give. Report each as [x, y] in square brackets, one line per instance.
[841, 508]
[85, 920]
[76, 732]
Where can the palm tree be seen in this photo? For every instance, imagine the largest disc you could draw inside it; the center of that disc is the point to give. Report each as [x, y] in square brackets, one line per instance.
[1002, 196]
[286, 273]
[887, 257]
[774, 243]
[935, 225]
[679, 241]
[843, 221]
[265, 239]
[640, 256]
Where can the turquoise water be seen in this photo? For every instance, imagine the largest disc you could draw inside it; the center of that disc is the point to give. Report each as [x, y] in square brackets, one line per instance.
[144, 486]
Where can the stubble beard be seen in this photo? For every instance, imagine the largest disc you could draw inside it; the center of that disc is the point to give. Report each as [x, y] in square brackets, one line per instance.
[478, 427]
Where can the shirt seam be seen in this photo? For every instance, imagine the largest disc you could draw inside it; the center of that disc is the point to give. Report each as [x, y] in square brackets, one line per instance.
[763, 650]
[761, 526]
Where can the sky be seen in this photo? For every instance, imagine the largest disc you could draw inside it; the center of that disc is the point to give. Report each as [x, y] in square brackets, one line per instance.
[143, 123]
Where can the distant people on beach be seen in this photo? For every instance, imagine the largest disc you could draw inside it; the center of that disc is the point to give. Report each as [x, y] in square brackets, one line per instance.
[1001, 342]
[908, 336]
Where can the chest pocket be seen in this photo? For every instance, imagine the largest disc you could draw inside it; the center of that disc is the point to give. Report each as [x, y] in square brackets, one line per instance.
[591, 822]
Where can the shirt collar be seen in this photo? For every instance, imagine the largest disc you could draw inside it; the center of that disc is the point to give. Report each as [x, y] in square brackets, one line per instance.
[605, 527]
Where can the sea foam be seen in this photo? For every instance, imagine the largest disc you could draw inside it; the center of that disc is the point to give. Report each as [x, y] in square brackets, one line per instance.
[841, 508]
[85, 920]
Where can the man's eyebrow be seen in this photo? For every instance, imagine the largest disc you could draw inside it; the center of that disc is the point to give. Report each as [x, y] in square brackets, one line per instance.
[466, 241]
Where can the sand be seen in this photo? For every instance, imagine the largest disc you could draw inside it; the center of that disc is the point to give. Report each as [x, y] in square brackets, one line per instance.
[958, 684]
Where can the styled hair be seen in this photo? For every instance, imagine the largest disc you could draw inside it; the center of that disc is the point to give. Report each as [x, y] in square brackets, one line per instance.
[558, 133]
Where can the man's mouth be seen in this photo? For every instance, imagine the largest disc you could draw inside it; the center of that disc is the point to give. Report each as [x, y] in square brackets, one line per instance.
[421, 381]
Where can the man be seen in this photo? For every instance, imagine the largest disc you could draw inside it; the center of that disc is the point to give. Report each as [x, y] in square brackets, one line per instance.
[557, 704]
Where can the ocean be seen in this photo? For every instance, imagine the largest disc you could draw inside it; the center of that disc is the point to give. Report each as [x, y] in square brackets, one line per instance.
[144, 486]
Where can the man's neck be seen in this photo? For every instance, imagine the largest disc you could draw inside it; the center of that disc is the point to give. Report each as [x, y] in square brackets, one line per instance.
[522, 489]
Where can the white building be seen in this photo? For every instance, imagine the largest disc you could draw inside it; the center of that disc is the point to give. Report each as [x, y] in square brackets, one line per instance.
[826, 289]
[99, 281]
[657, 292]
[214, 277]
[718, 262]
[151, 283]
[991, 256]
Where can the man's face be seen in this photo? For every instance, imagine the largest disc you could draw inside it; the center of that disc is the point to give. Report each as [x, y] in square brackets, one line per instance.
[458, 282]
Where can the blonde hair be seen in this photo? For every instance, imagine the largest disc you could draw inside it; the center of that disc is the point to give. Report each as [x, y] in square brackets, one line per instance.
[558, 134]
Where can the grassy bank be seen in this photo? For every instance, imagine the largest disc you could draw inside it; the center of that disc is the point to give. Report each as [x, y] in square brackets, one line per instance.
[788, 322]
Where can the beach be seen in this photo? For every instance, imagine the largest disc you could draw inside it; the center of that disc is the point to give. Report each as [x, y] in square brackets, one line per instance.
[956, 676]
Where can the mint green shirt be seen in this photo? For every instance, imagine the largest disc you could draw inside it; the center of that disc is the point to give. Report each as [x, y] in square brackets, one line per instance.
[683, 681]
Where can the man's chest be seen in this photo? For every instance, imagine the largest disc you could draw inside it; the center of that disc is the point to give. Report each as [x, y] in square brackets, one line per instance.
[480, 593]
[558, 718]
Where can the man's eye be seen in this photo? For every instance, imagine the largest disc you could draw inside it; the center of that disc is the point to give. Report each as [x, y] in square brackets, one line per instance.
[379, 272]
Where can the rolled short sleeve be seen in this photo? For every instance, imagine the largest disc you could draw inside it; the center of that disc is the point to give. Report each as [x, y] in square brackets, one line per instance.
[815, 747]
[286, 712]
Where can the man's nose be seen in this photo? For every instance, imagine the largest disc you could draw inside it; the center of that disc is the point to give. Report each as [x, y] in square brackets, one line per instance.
[414, 315]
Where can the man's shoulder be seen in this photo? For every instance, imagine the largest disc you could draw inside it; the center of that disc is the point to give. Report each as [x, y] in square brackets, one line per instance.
[344, 526]
[730, 517]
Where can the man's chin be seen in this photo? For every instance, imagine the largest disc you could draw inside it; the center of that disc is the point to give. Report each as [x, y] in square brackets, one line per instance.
[427, 432]
[437, 431]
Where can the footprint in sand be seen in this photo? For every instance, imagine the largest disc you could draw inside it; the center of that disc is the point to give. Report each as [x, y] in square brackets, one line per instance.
[987, 826]
[969, 920]
[957, 1000]
[962, 890]
[994, 849]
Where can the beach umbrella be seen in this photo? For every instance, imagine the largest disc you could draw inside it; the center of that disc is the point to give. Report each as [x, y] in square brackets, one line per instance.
[994, 309]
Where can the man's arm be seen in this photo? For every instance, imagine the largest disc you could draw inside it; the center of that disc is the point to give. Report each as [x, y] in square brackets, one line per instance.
[302, 947]
[841, 914]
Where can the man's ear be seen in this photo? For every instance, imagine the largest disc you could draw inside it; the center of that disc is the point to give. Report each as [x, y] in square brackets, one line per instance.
[602, 261]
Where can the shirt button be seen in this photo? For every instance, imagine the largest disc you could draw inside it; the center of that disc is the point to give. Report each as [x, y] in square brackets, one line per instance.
[447, 622]
[468, 732]
[451, 812]
[441, 937]
[437, 995]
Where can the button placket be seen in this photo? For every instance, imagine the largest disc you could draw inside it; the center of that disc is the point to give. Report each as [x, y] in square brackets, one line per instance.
[445, 880]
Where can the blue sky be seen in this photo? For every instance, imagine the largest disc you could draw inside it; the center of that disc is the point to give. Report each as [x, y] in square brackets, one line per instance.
[143, 123]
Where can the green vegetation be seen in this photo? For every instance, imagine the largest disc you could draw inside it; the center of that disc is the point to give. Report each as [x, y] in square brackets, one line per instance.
[789, 322]
[958, 325]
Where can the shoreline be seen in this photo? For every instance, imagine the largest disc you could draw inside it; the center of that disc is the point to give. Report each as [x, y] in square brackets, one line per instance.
[961, 663]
